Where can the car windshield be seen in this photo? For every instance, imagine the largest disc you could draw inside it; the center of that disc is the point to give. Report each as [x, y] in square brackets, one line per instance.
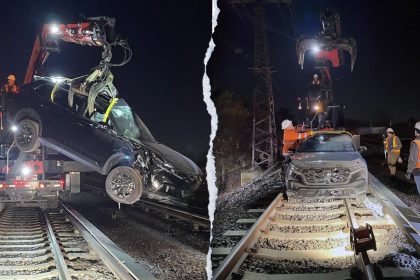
[327, 143]
[127, 123]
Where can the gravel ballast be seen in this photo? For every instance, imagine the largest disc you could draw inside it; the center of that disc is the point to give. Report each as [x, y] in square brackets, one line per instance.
[231, 206]
[158, 251]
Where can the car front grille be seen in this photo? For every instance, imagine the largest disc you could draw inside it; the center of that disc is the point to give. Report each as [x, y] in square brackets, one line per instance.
[326, 176]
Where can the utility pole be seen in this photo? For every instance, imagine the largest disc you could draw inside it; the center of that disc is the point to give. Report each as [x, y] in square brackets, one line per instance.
[264, 136]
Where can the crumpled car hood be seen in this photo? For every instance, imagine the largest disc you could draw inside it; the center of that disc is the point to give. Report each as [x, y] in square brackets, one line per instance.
[180, 162]
[328, 159]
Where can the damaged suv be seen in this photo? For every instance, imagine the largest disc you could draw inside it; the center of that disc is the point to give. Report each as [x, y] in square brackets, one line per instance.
[327, 166]
[112, 141]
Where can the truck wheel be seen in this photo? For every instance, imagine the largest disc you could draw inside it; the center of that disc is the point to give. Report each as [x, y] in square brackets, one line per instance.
[124, 185]
[27, 136]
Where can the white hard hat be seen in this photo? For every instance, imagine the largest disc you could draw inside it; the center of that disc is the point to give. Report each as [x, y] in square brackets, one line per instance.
[417, 126]
[315, 75]
[390, 130]
[286, 123]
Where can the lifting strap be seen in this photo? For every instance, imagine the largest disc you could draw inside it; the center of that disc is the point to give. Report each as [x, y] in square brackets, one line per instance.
[108, 110]
[53, 92]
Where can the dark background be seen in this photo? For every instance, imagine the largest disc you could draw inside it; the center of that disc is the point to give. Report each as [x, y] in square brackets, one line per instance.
[162, 82]
[385, 80]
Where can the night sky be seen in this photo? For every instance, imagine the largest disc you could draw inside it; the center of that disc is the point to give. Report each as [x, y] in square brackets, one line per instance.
[162, 82]
[386, 74]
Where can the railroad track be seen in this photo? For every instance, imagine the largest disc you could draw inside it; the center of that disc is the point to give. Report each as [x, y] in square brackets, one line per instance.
[178, 214]
[59, 244]
[198, 221]
[297, 241]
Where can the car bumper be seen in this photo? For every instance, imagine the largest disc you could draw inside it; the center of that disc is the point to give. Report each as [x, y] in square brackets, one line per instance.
[351, 190]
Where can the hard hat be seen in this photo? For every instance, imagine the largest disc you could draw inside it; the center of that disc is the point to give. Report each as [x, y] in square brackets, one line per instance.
[286, 123]
[390, 130]
[417, 125]
[11, 77]
[315, 75]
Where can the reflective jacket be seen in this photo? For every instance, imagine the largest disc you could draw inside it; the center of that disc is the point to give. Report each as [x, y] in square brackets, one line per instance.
[9, 89]
[395, 147]
[290, 136]
[414, 158]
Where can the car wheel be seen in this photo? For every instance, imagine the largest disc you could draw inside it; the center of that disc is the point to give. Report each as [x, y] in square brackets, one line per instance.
[27, 136]
[124, 185]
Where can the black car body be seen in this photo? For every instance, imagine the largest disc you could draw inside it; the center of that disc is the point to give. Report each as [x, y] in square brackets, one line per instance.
[112, 141]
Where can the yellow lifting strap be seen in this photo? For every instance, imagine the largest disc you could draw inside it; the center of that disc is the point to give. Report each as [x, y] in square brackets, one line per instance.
[108, 110]
[53, 92]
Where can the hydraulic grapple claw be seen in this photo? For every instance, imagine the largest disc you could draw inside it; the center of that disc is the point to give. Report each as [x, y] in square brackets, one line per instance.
[327, 49]
[328, 44]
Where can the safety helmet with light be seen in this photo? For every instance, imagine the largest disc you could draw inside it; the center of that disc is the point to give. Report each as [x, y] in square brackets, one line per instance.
[286, 123]
[11, 77]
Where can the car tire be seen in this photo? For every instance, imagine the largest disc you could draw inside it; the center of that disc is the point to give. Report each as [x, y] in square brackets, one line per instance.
[27, 136]
[124, 185]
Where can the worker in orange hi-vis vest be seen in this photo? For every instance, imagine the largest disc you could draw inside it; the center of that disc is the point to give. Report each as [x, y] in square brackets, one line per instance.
[9, 88]
[392, 146]
[413, 167]
[291, 135]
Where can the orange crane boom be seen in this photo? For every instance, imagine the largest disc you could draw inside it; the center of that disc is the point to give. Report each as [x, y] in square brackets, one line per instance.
[97, 32]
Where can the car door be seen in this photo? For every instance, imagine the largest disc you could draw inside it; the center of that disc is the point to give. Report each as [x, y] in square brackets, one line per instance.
[89, 137]
[54, 113]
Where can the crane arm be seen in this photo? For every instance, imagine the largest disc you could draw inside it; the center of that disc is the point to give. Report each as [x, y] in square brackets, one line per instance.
[97, 32]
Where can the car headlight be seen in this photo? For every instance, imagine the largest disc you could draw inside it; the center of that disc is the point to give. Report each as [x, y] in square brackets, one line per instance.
[292, 170]
[360, 174]
[295, 168]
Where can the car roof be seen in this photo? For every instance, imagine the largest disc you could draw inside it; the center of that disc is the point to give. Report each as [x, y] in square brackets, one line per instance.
[333, 132]
[43, 80]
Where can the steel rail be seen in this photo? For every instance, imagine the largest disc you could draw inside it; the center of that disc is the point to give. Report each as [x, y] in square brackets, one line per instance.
[399, 212]
[122, 265]
[350, 215]
[406, 218]
[195, 218]
[61, 265]
[175, 212]
[239, 253]
[362, 259]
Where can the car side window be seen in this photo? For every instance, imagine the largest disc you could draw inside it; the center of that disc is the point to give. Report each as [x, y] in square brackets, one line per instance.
[60, 98]
[98, 117]
[44, 91]
[56, 95]
[79, 105]
[100, 109]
